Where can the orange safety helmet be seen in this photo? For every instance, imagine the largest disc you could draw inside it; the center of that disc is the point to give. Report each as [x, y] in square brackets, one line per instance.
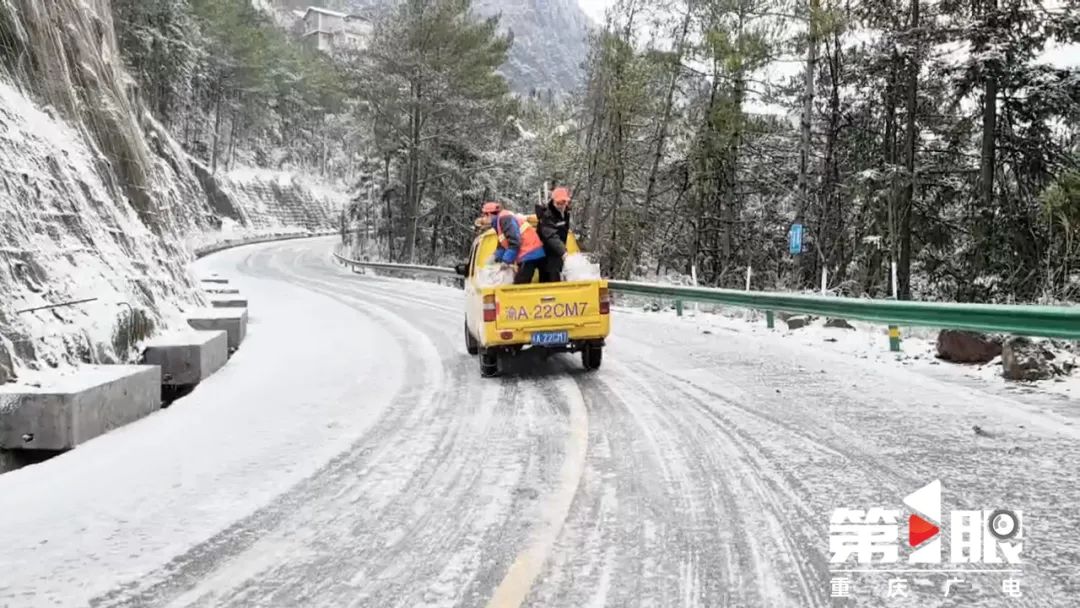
[560, 195]
[492, 207]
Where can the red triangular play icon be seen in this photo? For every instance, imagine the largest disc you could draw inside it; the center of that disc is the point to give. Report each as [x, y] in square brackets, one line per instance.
[919, 530]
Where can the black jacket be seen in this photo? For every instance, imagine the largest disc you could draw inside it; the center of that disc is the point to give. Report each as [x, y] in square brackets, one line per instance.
[554, 228]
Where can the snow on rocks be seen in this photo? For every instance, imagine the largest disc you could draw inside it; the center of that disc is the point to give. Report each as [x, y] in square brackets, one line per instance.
[797, 322]
[1024, 359]
[838, 324]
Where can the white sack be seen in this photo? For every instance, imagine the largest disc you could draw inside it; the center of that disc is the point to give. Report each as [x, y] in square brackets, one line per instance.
[494, 275]
[577, 267]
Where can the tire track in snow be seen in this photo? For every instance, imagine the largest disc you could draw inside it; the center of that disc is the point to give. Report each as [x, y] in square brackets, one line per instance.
[431, 518]
[688, 565]
[261, 578]
[518, 581]
[794, 549]
[697, 544]
[600, 557]
[862, 468]
[187, 569]
[515, 584]
[875, 447]
[700, 485]
[803, 456]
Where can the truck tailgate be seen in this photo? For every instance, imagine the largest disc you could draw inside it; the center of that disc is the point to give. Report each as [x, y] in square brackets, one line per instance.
[541, 306]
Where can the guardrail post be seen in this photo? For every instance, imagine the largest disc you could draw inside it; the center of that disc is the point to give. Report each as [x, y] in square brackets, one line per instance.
[769, 319]
[894, 338]
[678, 307]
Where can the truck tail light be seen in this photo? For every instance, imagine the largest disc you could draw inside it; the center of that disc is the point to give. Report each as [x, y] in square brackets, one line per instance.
[605, 301]
[491, 309]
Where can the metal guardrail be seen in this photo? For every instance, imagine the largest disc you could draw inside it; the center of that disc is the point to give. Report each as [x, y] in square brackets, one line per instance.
[417, 268]
[201, 252]
[1041, 321]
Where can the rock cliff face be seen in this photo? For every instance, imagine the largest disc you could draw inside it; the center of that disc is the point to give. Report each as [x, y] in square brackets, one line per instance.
[96, 199]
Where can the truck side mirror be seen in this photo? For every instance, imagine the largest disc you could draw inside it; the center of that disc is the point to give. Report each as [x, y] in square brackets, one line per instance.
[462, 269]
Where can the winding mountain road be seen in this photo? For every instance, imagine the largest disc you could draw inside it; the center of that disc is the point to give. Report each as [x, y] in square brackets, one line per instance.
[351, 455]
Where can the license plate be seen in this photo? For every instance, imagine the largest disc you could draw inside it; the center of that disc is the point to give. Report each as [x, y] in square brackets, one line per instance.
[550, 338]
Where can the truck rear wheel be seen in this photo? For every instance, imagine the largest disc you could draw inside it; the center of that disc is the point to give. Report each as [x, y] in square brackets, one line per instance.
[592, 356]
[471, 345]
[489, 363]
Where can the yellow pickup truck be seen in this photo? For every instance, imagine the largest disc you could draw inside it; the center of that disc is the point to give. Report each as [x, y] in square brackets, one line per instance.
[500, 321]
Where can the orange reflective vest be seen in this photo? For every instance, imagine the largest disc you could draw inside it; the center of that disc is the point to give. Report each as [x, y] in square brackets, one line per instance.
[530, 246]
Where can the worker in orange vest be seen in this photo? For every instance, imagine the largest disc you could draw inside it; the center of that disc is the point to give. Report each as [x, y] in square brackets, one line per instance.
[518, 242]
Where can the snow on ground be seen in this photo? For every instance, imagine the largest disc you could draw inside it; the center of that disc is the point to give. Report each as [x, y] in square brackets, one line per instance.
[713, 460]
[867, 341]
[142, 494]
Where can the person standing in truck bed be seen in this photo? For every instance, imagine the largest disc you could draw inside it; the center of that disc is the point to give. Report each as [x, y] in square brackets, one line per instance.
[518, 242]
[554, 226]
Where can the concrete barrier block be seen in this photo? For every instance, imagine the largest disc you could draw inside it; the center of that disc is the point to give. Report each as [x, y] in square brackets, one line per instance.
[187, 357]
[228, 301]
[231, 320]
[73, 408]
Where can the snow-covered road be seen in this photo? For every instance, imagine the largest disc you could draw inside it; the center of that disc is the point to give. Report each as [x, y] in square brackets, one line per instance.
[351, 455]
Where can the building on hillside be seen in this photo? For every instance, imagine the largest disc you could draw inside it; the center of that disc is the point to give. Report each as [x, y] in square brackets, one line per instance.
[332, 31]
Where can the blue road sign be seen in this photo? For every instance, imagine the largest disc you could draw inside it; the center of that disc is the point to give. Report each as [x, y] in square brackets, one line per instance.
[795, 239]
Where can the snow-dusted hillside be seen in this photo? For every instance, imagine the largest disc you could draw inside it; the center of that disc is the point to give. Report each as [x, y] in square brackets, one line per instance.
[98, 201]
[550, 39]
[550, 42]
[67, 233]
[273, 200]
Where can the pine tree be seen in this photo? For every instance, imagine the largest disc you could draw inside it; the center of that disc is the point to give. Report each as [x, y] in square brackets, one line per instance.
[439, 106]
[159, 41]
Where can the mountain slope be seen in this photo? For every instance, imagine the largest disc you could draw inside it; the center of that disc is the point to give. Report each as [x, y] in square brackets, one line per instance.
[550, 39]
[550, 42]
[99, 203]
